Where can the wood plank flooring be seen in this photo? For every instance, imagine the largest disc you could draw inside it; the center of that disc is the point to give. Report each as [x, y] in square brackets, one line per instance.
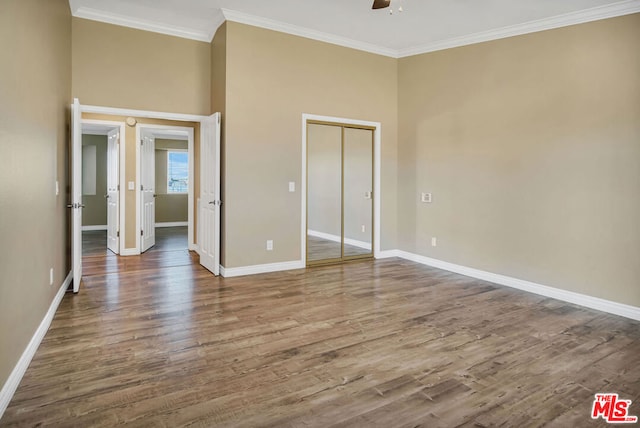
[385, 343]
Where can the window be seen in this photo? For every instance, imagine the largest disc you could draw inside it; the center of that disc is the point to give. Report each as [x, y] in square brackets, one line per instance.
[177, 172]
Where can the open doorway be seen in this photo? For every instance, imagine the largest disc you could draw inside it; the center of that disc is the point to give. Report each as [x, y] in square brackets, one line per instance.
[166, 187]
[130, 216]
[101, 186]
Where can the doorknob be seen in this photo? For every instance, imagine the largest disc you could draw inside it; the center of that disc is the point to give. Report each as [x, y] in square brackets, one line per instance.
[106, 196]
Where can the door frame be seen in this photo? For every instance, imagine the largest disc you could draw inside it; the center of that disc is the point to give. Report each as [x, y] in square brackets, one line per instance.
[190, 132]
[121, 159]
[179, 117]
[377, 131]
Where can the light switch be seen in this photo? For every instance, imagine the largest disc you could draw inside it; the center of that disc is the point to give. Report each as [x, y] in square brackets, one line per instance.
[131, 185]
[57, 188]
[425, 197]
[292, 186]
[367, 195]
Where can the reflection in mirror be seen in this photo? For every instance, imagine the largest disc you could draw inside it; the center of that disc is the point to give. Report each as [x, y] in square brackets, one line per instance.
[324, 192]
[358, 186]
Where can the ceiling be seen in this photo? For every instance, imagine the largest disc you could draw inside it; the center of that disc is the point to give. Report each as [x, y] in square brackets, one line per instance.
[423, 26]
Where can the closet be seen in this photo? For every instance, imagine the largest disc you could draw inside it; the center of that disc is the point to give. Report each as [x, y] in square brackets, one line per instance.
[339, 192]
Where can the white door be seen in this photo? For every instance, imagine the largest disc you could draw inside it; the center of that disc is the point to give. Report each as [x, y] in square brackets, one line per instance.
[113, 191]
[76, 194]
[148, 190]
[209, 206]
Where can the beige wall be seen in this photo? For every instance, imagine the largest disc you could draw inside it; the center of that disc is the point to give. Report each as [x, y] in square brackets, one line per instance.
[116, 66]
[169, 207]
[130, 168]
[95, 206]
[35, 93]
[271, 80]
[531, 147]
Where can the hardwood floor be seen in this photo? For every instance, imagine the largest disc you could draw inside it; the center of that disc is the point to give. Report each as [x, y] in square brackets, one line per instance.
[375, 343]
[171, 249]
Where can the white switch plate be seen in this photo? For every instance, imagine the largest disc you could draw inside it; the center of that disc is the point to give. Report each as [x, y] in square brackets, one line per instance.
[131, 185]
[363, 228]
[51, 276]
[434, 242]
[269, 245]
[57, 188]
[292, 186]
[425, 197]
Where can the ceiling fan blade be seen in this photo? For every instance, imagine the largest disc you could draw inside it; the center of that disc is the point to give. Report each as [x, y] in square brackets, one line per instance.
[380, 4]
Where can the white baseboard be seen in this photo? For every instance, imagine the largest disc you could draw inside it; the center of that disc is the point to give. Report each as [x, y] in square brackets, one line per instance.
[94, 227]
[172, 224]
[256, 269]
[129, 252]
[336, 238]
[385, 254]
[194, 247]
[20, 368]
[597, 303]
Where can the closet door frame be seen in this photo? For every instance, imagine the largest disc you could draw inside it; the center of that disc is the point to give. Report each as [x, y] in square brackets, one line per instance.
[375, 127]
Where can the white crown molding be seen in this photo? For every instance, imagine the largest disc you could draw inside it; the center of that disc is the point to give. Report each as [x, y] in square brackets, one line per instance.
[625, 7]
[270, 24]
[256, 269]
[599, 304]
[169, 30]
[10, 386]
[588, 15]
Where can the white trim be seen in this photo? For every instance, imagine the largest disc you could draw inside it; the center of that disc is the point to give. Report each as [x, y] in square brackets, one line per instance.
[388, 254]
[137, 184]
[172, 224]
[336, 238]
[377, 133]
[148, 114]
[599, 304]
[20, 368]
[256, 269]
[129, 251]
[94, 227]
[580, 17]
[270, 24]
[162, 28]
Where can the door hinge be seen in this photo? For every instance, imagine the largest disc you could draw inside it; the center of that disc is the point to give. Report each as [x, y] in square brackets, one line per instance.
[118, 187]
[141, 187]
[142, 142]
[117, 234]
[141, 232]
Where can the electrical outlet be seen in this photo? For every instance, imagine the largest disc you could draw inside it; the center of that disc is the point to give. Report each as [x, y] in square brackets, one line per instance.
[292, 186]
[51, 276]
[425, 197]
[269, 245]
[434, 242]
